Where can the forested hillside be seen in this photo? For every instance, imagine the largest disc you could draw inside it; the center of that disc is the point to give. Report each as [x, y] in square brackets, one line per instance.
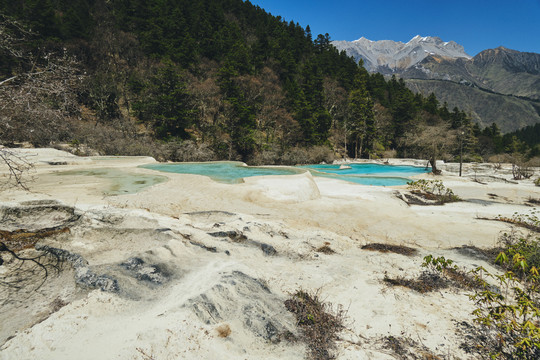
[204, 79]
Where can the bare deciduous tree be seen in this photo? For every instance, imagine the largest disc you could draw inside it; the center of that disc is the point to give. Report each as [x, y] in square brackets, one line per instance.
[13, 169]
[431, 142]
[39, 92]
[35, 104]
[37, 95]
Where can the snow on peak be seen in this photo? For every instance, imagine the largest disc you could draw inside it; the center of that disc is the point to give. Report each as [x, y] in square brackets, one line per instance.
[362, 39]
[394, 54]
[419, 38]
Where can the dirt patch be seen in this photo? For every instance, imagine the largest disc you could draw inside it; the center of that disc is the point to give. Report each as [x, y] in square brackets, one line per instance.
[21, 239]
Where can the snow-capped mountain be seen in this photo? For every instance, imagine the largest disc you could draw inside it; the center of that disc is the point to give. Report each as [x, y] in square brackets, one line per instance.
[387, 56]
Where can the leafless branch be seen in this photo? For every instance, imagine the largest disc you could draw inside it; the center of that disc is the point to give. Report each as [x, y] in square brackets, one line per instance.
[18, 166]
[23, 268]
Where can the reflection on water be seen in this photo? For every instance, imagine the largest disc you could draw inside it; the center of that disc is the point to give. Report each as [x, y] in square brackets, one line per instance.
[233, 172]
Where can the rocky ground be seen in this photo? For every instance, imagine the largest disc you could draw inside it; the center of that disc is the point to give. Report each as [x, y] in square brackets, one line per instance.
[145, 265]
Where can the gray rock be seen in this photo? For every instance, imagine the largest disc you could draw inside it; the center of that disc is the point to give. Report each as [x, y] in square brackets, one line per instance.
[84, 276]
[137, 267]
[236, 296]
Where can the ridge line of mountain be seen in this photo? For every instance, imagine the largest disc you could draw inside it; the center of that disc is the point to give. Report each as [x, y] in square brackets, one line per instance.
[475, 86]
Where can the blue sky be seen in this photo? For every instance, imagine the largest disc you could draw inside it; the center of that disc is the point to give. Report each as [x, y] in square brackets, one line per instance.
[475, 24]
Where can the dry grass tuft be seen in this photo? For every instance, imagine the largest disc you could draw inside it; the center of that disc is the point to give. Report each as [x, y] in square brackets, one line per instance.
[407, 348]
[385, 248]
[319, 323]
[223, 330]
[423, 284]
[326, 249]
[429, 281]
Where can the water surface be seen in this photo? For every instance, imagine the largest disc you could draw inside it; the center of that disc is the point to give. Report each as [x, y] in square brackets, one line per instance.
[368, 174]
[120, 182]
[233, 172]
[229, 172]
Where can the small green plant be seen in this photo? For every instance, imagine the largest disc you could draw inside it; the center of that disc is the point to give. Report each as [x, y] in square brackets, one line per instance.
[509, 313]
[439, 264]
[449, 272]
[537, 182]
[438, 273]
[529, 221]
[433, 190]
[526, 245]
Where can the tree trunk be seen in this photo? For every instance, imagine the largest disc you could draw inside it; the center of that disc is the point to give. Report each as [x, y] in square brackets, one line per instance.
[346, 150]
[433, 162]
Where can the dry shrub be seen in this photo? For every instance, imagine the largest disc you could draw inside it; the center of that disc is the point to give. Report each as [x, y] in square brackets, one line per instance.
[145, 355]
[429, 192]
[326, 249]
[385, 248]
[319, 323]
[522, 171]
[534, 162]
[191, 151]
[107, 140]
[223, 330]
[407, 348]
[501, 159]
[319, 154]
[313, 155]
[294, 156]
[266, 157]
[528, 221]
[389, 154]
[423, 284]
[439, 273]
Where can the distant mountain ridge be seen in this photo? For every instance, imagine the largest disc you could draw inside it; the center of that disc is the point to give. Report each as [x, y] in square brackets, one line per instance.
[500, 78]
[500, 70]
[388, 56]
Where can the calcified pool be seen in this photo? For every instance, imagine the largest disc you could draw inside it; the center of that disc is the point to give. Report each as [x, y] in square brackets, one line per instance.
[234, 172]
[120, 182]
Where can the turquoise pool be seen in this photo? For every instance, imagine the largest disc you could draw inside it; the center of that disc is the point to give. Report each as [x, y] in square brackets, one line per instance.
[229, 172]
[234, 172]
[368, 174]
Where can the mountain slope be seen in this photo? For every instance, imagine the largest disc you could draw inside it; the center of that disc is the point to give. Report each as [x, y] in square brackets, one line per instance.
[499, 70]
[387, 56]
[508, 112]
[207, 79]
[497, 85]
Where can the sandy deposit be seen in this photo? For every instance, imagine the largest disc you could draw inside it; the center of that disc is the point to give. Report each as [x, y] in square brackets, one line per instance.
[182, 259]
